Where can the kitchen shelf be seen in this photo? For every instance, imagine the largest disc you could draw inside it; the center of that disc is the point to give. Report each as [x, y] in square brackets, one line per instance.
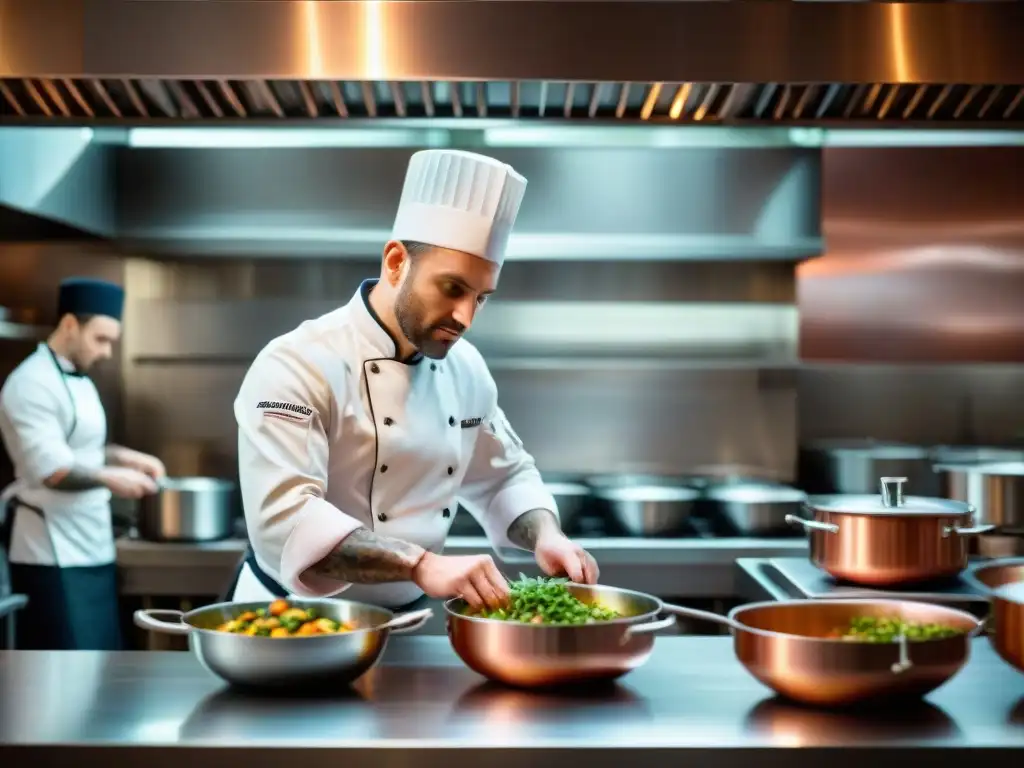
[21, 332]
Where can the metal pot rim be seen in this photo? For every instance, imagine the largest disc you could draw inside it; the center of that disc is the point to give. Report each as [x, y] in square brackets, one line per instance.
[197, 483]
[298, 602]
[895, 603]
[870, 449]
[756, 493]
[625, 620]
[871, 504]
[992, 468]
[971, 576]
[652, 493]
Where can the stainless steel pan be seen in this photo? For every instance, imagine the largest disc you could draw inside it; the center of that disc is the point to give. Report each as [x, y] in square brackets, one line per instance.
[264, 662]
[537, 655]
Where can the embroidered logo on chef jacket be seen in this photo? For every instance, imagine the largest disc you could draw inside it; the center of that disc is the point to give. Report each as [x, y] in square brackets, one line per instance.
[276, 409]
[470, 423]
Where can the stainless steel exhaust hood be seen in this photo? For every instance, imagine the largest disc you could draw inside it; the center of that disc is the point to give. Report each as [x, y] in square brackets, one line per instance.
[806, 63]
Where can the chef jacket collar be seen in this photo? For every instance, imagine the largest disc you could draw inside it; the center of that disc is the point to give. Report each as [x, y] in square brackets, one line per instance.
[375, 330]
[65, 365]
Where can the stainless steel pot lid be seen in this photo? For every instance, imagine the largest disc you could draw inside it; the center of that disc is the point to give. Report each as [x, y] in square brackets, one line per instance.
[567, 489]
[1002, 468]
[870, 449]
[756, 493]
[890, 501]
[648, 493]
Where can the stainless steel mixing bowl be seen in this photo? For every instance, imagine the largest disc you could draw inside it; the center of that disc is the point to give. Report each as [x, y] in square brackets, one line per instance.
[287, 662]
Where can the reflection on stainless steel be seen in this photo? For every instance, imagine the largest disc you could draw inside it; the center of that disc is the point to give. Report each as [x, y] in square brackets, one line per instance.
[585, 203]
[536, 655]
[191, 329]
[1007, 620]
[312, 662]
[996, 491]
[188, 509]
[755, 509]
[854, 466]
[685, 50]
[784, 645]
[924, 260]
[798, 726]
[785, 577]
[649, 510]
[692, 698]
[887, 541]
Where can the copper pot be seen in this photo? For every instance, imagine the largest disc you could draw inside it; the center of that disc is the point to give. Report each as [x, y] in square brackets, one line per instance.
[1003, 582]
[785, 645]
[540, 655]
[889, 540]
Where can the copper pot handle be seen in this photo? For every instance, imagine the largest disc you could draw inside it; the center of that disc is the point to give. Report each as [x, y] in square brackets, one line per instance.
[650, 626]
[812, 525]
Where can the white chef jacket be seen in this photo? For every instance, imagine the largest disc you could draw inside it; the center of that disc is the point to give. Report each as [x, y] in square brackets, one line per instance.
[335, 434]
[47, 426]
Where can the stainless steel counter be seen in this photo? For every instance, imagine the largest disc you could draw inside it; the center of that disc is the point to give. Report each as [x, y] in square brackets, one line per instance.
[691, 704]
[668, 567]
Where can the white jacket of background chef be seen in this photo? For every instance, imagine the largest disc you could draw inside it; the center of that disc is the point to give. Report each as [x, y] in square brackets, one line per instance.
[336, 434]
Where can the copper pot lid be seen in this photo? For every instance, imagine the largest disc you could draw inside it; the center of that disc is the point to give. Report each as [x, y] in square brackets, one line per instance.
[890, 501]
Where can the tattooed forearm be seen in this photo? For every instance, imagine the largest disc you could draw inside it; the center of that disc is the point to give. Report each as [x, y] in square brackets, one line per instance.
[75, 479]
[528, 527]
[366, 558]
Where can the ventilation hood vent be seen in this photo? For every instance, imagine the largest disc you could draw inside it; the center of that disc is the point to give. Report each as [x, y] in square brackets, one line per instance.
[799, 63]
[139, 102]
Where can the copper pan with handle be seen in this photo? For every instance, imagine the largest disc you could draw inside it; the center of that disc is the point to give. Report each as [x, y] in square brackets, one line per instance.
[787, 646]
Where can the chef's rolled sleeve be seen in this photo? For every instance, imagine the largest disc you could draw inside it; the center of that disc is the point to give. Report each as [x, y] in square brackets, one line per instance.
[32, 429]
[283, 411]
[502, 481]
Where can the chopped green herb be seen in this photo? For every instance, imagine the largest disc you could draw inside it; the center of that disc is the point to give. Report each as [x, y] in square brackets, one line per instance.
[546, 601]
[868, 629]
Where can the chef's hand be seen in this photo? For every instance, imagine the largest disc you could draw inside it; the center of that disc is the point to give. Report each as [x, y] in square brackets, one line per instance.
[558, 556]
[474, 578]
[127, 483]
[147, 465]
[140, 462]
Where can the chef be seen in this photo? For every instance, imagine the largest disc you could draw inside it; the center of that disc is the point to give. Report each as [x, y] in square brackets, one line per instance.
[360, 431]
[57, 527]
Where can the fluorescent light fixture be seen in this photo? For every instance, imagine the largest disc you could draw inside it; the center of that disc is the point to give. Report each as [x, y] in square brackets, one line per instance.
[473, 133]
[903, 137]
[285, 138]
[643, 136]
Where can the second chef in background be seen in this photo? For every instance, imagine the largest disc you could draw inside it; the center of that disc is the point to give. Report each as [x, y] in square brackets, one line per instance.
[360, 430]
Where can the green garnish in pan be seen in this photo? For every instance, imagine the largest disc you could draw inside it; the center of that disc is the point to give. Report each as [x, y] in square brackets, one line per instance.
[546, 601]
[868, 629]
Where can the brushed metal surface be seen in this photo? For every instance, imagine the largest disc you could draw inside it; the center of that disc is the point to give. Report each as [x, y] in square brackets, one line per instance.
[669, 41]
[691, 702]
[925, 259]
[584, 203]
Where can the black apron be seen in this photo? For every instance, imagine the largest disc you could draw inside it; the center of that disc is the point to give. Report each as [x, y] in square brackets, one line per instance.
[274, 588]
[73, 608]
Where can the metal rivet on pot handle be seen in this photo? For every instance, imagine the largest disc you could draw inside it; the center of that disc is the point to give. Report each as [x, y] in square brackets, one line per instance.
[651, 626]
[812, 525]
[146, 619]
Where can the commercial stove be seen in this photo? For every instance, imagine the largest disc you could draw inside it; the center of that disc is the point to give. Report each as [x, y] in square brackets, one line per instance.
[797, 578]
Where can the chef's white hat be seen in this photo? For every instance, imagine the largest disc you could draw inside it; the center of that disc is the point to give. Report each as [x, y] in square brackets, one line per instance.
[459, 200]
